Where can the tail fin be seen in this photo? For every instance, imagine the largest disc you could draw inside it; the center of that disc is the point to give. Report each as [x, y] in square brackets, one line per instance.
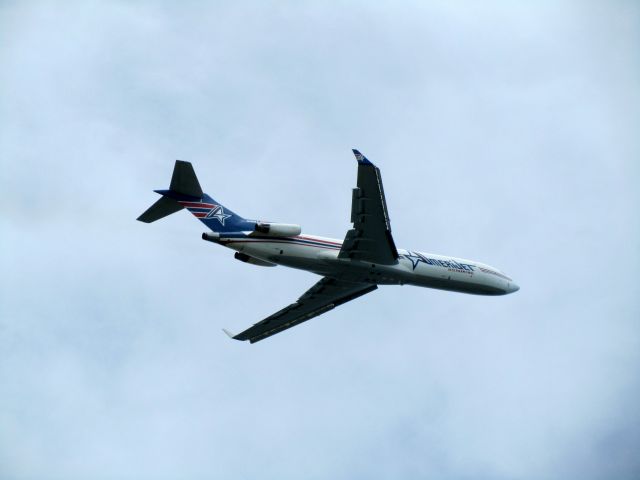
[185, 192]
[183, 182]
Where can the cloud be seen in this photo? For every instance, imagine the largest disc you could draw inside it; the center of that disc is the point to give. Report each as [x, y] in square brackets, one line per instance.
[505, 133]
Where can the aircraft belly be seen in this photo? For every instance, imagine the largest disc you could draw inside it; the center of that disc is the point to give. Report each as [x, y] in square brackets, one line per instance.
[326, 262]
[282, 253]
[457, 286]
[425, 276]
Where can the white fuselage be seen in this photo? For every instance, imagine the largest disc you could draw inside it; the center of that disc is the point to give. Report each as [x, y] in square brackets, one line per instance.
[320, 255]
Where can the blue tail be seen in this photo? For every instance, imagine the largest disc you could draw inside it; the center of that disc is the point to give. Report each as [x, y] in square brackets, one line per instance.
[185, 192]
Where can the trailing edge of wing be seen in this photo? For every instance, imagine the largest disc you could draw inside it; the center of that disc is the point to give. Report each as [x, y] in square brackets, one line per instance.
[325, 295]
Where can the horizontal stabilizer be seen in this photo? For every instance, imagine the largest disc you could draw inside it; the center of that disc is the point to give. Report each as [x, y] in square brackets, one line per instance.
[163, 207]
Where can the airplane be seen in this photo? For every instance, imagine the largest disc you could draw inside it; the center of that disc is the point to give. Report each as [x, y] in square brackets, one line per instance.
[355, 266]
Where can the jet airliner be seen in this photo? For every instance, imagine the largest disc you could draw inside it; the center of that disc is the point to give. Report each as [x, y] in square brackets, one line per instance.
[355, 266]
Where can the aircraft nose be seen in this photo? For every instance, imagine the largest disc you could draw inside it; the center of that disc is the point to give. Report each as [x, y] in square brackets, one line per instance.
[512, 287]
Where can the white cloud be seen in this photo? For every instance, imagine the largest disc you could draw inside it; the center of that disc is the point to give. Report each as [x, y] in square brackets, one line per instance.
[504, 133]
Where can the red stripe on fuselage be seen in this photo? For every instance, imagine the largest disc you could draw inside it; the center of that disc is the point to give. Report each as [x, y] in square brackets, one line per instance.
[327, 247]
[197, 204]
[314, 239]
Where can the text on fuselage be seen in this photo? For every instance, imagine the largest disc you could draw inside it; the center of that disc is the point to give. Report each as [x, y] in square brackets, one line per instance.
[452, 265]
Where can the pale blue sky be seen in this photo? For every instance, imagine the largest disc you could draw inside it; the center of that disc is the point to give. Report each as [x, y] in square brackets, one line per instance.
[506, 132]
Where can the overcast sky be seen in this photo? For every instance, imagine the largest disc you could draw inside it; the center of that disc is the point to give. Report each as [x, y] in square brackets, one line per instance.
[506, 132]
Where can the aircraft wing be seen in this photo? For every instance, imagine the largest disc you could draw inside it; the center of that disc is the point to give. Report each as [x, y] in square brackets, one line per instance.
[370, 238]
[325, 295]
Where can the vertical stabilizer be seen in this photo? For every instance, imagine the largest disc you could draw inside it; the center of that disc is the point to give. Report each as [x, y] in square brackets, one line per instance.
[184, 180]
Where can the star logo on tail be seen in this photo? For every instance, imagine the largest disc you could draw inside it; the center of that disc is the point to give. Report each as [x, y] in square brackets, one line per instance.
[217, 212]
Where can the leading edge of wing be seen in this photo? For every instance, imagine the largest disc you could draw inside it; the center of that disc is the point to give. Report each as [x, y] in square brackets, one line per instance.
[325, 295]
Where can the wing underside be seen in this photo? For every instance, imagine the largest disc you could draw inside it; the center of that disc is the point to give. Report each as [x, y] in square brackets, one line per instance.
[325, 295]
[370, 238]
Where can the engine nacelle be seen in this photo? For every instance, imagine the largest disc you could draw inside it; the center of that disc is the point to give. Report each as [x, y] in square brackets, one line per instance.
[278, 229]
[243, 257]
[211, 237]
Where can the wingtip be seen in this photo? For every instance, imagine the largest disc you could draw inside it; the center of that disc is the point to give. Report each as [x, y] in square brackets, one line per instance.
[362, 160]
[229, 334]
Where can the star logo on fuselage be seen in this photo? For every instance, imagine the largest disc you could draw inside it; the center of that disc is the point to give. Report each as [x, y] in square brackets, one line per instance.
[414, 258]
[217, 212]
